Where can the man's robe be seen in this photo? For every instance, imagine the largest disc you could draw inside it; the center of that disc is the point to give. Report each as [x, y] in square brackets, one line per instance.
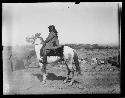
[51, 41]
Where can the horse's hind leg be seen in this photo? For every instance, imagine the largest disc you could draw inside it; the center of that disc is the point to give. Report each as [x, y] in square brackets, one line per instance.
[70, 70]
[67, 77]
[71, 67]
[76, 61]
[72, 79]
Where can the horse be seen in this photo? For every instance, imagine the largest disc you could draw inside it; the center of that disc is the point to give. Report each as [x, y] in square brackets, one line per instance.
[64, 53]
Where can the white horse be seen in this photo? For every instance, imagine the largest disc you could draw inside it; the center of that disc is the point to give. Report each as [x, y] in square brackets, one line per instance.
[69, 56]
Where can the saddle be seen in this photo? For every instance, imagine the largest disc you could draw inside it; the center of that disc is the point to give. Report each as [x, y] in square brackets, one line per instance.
[55, 51]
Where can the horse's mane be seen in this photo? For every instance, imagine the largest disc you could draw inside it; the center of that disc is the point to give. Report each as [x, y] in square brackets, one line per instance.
[42, 41]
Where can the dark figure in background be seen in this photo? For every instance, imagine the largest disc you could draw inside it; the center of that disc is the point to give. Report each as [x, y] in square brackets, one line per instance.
[51, 41]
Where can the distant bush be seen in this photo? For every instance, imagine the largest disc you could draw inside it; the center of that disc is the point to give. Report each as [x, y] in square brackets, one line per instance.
[90, 47]
[18, 55]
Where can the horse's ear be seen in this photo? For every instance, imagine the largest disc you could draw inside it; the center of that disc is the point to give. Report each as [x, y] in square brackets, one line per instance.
[37, 34]
[33, 36]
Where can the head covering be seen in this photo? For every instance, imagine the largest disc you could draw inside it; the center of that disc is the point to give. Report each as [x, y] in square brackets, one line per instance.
[51, 27]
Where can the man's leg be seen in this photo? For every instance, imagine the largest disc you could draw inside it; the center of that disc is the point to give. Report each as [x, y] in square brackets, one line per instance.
[42, 49]
[57, 42]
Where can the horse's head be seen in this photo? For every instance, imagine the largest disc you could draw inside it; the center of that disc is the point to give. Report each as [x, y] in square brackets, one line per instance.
[38, 40]
[30, 39]
[35, 39]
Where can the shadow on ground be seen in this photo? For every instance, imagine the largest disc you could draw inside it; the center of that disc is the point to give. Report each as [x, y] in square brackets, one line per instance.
[50, 76]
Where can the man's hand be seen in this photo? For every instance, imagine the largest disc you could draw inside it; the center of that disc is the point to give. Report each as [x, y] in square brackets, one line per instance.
[44, 44]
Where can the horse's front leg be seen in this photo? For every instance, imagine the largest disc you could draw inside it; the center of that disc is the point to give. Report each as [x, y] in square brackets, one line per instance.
[43, 69]
[67, 77]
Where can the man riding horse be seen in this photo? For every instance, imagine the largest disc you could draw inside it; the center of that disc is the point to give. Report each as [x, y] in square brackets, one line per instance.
[51, 41]
[51, 47]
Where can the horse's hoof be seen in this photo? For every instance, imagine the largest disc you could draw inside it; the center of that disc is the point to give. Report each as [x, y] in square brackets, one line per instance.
[64, 81]
[70, 84]
[81, 87]
[43, 82]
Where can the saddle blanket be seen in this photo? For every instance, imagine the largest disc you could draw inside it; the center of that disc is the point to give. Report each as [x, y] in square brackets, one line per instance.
[57, 51]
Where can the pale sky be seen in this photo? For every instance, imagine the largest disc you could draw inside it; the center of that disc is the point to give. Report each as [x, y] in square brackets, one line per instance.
[86, 23]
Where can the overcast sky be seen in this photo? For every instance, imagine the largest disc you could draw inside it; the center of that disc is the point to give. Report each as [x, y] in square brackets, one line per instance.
[86, 23]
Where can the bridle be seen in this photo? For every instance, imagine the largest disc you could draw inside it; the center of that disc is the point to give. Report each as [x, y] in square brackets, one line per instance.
[41, 39]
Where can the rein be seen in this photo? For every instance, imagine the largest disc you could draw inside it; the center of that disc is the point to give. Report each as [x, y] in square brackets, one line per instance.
[36, 44]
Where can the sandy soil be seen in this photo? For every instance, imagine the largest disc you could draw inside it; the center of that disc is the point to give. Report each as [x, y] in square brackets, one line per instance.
[94, 80]
[29, 82]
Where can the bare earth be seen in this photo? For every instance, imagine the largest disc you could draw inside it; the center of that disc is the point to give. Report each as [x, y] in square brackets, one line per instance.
[101, 79]
[29, 82]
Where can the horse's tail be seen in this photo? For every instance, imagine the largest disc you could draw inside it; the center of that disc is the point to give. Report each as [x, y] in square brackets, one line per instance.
[76, 61]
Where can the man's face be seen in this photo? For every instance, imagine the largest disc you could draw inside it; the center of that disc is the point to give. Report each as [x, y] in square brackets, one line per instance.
[50, 29]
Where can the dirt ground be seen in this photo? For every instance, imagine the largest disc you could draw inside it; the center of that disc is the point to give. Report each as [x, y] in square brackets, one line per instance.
[29, 82]
[103, 79]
